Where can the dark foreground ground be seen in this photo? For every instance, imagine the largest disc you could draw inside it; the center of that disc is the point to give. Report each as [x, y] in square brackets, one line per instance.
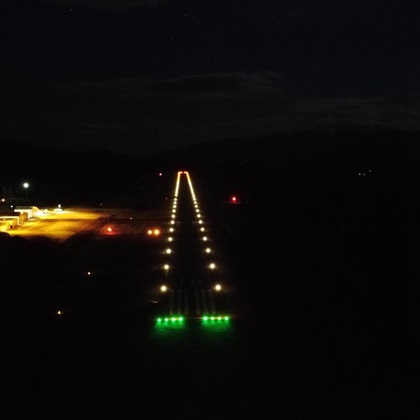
[318, 307]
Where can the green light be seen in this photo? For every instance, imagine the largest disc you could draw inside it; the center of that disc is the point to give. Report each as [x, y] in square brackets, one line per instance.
[205, 318]
[173, 319]
[226, 318]
[180, 318]
[212, 318]
[219, 318]
[166, 319]
[159, 320]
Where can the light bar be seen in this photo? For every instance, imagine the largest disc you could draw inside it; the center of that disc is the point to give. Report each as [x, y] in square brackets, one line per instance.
[215, 318]
[167, 320]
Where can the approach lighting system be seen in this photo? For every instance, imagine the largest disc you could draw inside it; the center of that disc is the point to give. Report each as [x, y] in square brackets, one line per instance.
[218, 287]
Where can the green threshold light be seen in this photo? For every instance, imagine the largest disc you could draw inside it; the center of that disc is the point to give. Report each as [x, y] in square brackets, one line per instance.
[215, 318]
[169, 320]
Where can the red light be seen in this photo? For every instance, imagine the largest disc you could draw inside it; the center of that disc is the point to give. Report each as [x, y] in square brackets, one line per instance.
[109, 229]
[160, 173]
[234, 199]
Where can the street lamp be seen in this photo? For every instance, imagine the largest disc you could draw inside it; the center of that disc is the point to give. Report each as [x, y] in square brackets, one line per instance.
[25, 185]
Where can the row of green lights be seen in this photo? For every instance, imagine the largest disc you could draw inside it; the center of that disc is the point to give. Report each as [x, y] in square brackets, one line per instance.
[172, 319]
[215, 318]
[204, 318]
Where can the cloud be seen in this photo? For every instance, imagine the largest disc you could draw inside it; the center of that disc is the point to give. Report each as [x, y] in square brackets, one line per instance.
[141, 116]
[225, 82]
[108, 4]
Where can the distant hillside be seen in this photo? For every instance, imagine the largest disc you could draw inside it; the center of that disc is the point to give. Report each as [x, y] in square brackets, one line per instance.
[61, 172]
[310, 150]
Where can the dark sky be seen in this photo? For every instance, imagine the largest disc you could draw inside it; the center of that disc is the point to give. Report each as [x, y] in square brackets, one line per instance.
[139, 76]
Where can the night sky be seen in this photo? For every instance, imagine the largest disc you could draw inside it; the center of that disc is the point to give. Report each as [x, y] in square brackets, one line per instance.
[140, 76]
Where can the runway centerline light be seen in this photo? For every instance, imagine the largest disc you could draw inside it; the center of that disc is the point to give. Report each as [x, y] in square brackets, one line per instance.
[218, 287]
[171, 229]
[208, 250]
[166, 266]
[170, 239]
[169, 251]
[202, 229]
[200, 222]
[212, 266]
[156, 232]
[172, 222]
[163, 288]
